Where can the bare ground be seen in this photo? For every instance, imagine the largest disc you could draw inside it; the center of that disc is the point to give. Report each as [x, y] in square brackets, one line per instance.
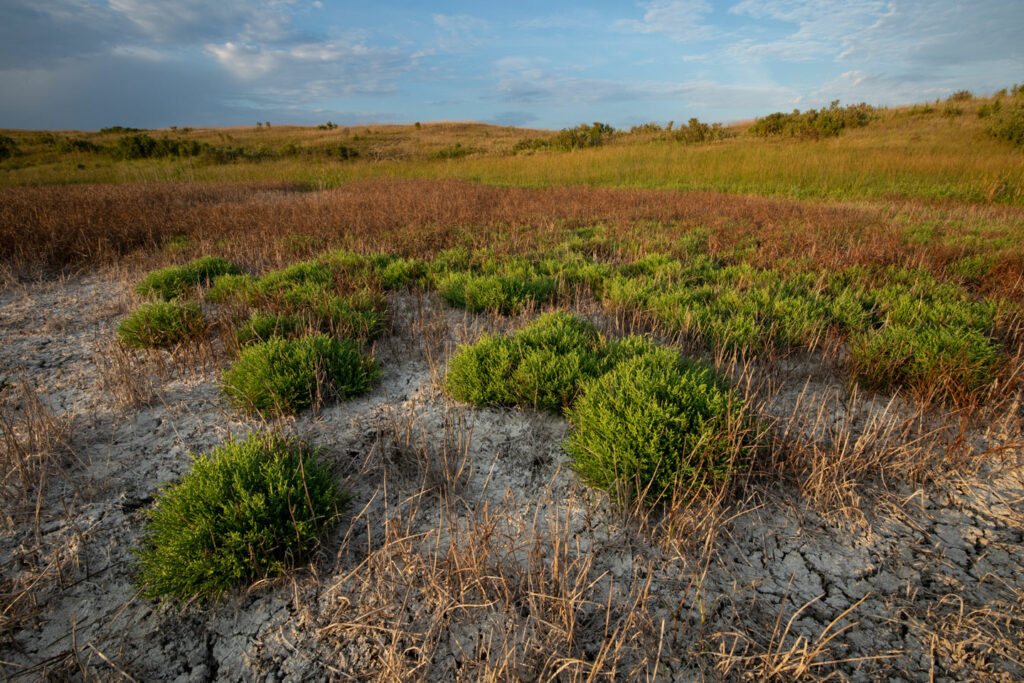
[874, 541]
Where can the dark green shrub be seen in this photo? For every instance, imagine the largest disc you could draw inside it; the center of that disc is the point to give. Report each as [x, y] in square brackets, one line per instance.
[1008, 123]
[262, 326]
[581, 136]
[815, 123]
[175, 281]
[655, 424]
[344, 152]
[950, 361]
[456, 151]
[144, 146]
[162, 324]
[69, 145]
[543, 365]
[569, 139]
[232, 288]
[247, 510]
[495, 293]
[8, 147]
[696, 132]
[290, 375]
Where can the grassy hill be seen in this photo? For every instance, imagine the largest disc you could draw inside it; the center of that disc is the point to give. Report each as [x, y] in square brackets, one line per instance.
[937, 151]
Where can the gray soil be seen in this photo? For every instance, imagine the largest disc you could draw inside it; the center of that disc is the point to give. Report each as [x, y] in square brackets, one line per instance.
[471, 550]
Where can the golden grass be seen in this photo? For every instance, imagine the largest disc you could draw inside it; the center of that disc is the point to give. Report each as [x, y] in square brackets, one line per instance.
[930, 156]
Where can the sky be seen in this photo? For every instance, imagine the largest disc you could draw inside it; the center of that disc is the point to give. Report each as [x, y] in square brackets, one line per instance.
[86, 64]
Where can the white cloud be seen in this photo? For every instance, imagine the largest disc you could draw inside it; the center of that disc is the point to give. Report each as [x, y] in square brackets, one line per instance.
[680, 20]
[245, 61]
[308, 71]
[823, 27]
[195, 21]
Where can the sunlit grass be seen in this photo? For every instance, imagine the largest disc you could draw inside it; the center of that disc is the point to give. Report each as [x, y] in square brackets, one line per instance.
[928, 157]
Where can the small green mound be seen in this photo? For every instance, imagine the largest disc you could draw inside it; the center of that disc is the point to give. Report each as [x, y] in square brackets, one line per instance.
[239, 289]
[359, 316]
[495, 293]
[262, 326]
[655, 424]
[543, 365]
[162, 324]
[286, 376]
[953, 361]
[175, 281]
[248, 510]
[303, 277]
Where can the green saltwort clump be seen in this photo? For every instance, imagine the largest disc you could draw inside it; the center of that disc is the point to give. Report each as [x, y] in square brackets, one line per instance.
[646, 421]
[654, 424]
[247, 510]
[162, 324]
[286, 376]
[543, 365]
[176, 281]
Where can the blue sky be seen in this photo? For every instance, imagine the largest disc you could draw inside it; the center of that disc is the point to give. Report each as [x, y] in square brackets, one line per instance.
[92, 63]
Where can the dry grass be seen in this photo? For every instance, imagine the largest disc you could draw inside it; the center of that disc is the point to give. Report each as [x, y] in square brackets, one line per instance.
[35, 447]
[268, 225]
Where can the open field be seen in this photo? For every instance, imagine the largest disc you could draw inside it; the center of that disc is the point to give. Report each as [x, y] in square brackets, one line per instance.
[842, 315]
[925, 152]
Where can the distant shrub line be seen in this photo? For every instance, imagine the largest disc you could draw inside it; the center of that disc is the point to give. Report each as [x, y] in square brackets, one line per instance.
[815, 123]
[568, 139]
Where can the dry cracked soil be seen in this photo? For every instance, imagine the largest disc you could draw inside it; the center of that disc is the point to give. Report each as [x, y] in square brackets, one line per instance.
[470, 550]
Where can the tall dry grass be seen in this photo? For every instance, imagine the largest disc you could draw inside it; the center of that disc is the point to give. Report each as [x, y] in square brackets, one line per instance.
[268, 224]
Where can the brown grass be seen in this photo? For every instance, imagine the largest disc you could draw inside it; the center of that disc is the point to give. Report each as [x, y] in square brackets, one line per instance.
[257, 224]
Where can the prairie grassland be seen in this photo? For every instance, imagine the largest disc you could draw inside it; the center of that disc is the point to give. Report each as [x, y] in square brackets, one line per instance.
[903, 154]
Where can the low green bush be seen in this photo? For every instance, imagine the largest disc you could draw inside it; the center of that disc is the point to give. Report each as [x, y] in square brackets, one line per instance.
[247, 510]
[495, 293]
[950, 360]
[815, 123]
[279, 283]
[262, 326]
[1007, 123]
[655, 424]
[238, 289]
[8, 147]
[162, 324]
[544, 365]
[359, 316]
[286, 376]
[175, 281]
